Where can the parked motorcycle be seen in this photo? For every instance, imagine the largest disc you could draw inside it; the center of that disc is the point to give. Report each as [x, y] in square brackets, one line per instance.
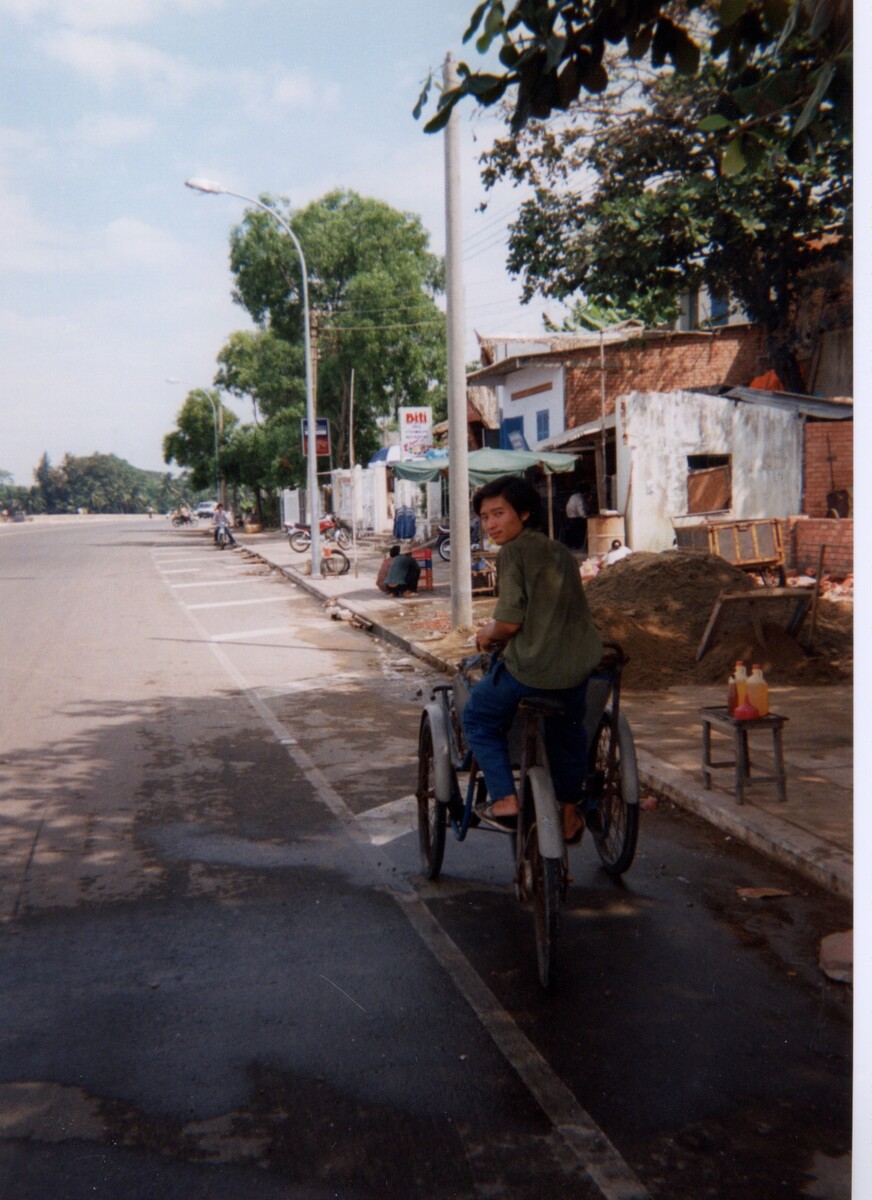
[333, 529]
[443, 540]
[182, 518]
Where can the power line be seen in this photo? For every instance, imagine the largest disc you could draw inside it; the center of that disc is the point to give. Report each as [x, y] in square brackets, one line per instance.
[373, 328]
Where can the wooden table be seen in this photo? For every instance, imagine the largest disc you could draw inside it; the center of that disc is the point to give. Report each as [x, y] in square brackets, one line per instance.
[720, 719]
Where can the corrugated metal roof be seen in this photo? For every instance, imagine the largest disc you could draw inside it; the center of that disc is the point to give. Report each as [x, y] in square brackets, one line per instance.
[578, 434]
[841, 409]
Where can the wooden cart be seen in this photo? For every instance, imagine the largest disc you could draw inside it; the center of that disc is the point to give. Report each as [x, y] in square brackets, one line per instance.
[753, 545]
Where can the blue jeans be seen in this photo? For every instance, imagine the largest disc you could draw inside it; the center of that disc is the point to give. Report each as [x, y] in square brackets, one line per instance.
[488, 716]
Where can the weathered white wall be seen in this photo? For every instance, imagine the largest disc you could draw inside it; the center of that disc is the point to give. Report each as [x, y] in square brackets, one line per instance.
[552, 400]
[657, 432]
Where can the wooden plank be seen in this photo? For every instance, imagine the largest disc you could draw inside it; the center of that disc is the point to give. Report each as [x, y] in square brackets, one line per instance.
[817, 592]
[754, 599]
[710, 628]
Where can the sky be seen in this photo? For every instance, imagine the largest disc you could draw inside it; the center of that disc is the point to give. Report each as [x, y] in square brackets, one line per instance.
[114, 275]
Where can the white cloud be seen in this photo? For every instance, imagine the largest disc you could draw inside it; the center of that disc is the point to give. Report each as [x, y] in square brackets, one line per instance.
[28, 243]
[108, 130]
[300, 90]
[127, 242]
[114, 61]
[103, 14]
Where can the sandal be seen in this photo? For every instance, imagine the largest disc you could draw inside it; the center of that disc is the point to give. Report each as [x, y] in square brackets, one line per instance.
[485, 813]
[572, 825]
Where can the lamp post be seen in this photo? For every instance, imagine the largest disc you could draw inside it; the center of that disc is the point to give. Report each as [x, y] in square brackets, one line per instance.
[215, 189]
[218, 492]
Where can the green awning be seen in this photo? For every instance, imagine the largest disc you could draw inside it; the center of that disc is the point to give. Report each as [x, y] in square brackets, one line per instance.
[485, 465]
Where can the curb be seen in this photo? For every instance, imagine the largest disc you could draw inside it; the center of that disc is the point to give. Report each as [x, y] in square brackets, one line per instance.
[816, 860]
[823, 864]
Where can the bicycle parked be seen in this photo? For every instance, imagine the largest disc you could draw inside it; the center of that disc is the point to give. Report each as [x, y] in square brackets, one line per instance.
[610, 791]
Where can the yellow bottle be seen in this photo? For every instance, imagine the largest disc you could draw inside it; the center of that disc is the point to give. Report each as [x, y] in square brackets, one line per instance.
[758, 690]
[741, 683]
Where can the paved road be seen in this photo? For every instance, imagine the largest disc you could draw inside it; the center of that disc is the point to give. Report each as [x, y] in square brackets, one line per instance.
[223, 977]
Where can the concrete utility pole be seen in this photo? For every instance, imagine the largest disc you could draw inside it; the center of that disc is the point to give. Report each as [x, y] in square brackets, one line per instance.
[458, 465]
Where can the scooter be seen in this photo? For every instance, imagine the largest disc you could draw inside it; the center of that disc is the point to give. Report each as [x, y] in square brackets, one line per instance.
[333, 529]
[443, 541]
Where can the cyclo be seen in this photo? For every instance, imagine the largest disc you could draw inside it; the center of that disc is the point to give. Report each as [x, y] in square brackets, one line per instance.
[610, 790]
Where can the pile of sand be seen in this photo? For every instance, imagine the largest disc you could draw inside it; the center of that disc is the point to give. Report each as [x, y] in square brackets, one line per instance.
[657, 607]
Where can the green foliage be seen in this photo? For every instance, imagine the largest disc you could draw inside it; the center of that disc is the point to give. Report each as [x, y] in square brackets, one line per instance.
[639, 204]
[372, 289]
[266, 368]
[13, 497]
[192, 443]
[786, 63]
[101, 483]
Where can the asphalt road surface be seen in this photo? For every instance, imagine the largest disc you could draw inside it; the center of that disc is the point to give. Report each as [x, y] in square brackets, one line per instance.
[222, 976]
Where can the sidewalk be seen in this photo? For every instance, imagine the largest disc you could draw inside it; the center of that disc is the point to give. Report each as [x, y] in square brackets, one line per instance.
[812, 832]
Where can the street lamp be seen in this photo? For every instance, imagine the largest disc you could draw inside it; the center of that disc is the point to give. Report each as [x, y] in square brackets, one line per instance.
[215, 189]
[218, 493]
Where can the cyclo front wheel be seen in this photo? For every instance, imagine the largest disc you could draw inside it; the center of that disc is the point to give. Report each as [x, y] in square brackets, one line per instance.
[544, 876]
[432, 814]
[619, 795]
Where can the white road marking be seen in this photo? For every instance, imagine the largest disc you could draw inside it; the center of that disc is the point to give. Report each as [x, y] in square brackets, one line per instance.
[242, 634]
[390, 821]
[222, 582]
[236, 603]
[183, 571]
[586, 1142]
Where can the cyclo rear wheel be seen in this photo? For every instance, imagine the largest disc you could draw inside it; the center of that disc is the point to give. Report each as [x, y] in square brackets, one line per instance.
[616, 842]
[544, 877]
[432, 814]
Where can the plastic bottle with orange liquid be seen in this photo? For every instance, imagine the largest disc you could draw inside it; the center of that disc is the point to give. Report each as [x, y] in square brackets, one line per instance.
[758, 690]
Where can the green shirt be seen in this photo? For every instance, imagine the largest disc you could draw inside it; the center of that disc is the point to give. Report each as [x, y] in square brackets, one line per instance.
[540, 589]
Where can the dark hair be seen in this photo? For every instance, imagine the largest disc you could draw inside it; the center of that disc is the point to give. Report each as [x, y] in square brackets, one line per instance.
[522, 496]
[394, 551]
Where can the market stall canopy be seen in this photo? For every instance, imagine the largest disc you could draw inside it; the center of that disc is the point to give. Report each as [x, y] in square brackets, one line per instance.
[485, 465]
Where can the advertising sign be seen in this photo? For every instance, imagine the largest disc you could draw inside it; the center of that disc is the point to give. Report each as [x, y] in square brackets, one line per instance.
[322, 436]
[416, 431]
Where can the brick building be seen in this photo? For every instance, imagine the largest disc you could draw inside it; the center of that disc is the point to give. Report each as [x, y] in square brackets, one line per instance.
[664, 424]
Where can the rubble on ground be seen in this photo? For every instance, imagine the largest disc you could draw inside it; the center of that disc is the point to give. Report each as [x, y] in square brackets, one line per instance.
[657, 607]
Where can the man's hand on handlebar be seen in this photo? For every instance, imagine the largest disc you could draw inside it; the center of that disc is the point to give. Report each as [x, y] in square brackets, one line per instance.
[495, 634]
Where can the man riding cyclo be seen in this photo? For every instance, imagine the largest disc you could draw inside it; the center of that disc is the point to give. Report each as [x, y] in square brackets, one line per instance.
[550, 648]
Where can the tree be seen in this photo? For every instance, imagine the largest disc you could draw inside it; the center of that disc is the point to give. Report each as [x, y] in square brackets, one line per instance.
[101, 483]
[192, 443]
[265, 458]
[787, 63]
[634, 207]
[372, 289]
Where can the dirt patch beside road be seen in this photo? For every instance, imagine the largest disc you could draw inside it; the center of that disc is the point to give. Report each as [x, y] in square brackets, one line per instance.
[657, 607]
